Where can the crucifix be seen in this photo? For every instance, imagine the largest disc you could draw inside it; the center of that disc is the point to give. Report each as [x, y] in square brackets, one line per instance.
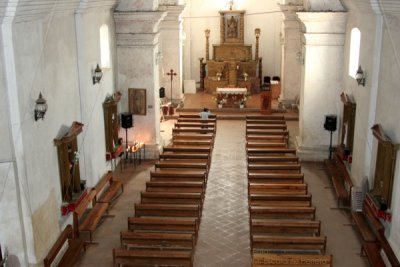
[172, 74]
[230, 4]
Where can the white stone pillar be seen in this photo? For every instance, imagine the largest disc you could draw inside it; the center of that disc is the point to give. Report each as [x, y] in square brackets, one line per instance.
[137, 45]
[322, 79]
[291, 53]
[171, 49]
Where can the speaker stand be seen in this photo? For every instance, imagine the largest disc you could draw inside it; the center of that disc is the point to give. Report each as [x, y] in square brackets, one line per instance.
[330, 147]
[126, 144]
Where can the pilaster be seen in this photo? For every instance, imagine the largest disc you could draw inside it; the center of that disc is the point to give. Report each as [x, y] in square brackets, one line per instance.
[137, 36]
[171, 49]
[291, 53]
[323, 38]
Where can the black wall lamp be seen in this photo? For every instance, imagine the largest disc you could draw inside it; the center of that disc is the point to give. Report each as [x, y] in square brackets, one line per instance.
[40, 107]
[97, 74]
[360, 76]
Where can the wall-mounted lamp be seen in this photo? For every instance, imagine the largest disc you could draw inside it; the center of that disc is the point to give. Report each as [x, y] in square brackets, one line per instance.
[40, 107]
[360, 76]
[97, 74]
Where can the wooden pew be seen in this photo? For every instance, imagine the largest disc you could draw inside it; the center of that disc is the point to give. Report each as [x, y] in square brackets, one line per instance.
[185, 156]
[72, 252]
[281, 178]
[168, 186]
[164, 225]
[176, 176]
[195, 136]
[269, 151]
[288, 260]
[192, 130]
[196, 116]
[157, 240]
[264, 117]
[286, 158]
[200, 124]
[187, 149]
[262, 126]
[289, 244]
[282, 213]
[171, 198]
[182, 164]
[108, 187]
[251, 121]
[266, 144]
[140, 257]
[167, 210]
[285, 189]
[267, 138]
[260, 199]
[207, 143]
[209, 120]
[275, 167]
[267, 132]
[88, 222]
[291, 227]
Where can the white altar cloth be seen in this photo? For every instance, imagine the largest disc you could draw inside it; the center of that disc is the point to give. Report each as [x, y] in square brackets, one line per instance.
[234, 91]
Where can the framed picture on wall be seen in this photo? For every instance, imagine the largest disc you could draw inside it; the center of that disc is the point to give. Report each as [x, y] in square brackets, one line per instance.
[137, 101]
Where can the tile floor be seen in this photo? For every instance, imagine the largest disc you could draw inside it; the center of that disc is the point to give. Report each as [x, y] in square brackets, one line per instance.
[224, 229]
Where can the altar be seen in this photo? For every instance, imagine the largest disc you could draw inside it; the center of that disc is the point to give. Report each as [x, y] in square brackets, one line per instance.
[231, 97]
[232, 64]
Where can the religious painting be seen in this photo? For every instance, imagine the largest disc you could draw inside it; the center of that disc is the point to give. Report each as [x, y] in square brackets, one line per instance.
[137, 101]
[232, 28]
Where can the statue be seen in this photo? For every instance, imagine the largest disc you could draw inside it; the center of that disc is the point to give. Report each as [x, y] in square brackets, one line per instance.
[232, 27]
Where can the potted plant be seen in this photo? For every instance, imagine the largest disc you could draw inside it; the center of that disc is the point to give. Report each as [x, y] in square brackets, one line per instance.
[242, 101]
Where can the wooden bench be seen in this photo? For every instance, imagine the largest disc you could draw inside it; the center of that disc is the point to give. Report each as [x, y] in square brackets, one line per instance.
[192, 130]
[267, 132]
[140, 257]
[157, 240]
[265, 138]
[287, 260]
[275, 167]
[167, 210]
[286, 158]
[199, 124]
[208, 143]
[72, 252]
[182, 164]
[176, 176]
[288, 244]
[181, 186]
[260, 199]
[187, 149]
[373, 252]
[281, 178]
[266, 144]
[190, 136]
[290, 227]
[251, 121]
[172, 198]
[197, 120]
[108, 187]
[285, 189]
[164, 225]
[264, 117]
[261, 126]
[341, 180]
[185, 156]
[196, 116]
[268, 151]
[282, 213]
[86, 219]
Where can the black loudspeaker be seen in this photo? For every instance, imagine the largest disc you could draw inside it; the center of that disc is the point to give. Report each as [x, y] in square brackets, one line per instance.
[330, 123]
[162, 92]
[126, 120]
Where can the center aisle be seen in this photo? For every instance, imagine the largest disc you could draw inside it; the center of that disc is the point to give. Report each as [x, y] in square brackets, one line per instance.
[224, 229]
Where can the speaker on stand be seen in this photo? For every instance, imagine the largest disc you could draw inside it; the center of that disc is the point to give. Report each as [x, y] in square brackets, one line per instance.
[126, 123]
[330, 125]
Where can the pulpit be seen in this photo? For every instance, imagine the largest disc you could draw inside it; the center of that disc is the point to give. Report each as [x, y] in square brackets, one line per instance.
[265, 102]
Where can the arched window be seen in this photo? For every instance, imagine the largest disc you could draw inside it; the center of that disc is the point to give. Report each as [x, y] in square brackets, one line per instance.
[354, 51]
[104, 47]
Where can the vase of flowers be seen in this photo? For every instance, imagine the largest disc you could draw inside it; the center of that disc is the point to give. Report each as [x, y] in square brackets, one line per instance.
[220, 100]
[242, 101]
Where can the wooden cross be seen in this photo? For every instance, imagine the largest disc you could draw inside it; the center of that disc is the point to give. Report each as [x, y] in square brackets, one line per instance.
[172, 74]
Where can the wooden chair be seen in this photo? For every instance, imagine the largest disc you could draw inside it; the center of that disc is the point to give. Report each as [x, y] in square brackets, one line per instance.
[107, 188]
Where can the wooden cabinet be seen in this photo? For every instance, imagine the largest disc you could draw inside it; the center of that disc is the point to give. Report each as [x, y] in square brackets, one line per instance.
[68, 162]
[111, 123]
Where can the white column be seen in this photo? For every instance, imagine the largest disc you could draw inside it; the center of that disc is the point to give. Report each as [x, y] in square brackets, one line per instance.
[291, 53]
[171, 49]
[322, 79]
[137, 45]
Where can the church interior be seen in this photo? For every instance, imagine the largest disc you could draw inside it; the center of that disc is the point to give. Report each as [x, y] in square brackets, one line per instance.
[199, 133]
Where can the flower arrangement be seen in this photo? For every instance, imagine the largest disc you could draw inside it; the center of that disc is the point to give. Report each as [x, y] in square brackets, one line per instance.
[220, 99]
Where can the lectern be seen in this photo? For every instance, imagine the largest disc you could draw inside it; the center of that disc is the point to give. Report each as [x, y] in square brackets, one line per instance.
[265, 102]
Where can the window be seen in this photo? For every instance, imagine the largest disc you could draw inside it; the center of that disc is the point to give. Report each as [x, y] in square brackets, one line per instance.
[104, 47]
[354, 51]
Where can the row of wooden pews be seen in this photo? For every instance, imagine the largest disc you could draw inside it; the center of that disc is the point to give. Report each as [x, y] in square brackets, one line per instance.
[283, 227]
[163, 231]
